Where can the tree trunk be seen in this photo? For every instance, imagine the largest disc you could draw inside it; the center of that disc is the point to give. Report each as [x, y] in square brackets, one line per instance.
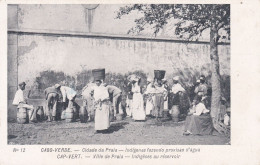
[215, 76]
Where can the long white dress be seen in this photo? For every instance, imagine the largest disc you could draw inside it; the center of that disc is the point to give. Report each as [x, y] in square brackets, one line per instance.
[138, 103]
[102, 109]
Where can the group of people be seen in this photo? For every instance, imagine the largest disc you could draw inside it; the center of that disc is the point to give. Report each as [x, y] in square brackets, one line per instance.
[98, 96]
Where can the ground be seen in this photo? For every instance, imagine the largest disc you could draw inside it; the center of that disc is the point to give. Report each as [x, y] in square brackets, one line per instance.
[125, 132]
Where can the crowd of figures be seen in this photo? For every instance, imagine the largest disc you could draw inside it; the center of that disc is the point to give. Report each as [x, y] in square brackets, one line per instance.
[102, 103]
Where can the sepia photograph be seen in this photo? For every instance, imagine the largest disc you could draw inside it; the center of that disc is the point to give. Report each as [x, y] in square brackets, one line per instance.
[118, 74]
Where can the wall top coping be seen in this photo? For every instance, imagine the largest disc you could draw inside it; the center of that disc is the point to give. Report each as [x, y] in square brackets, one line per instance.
[99, 35]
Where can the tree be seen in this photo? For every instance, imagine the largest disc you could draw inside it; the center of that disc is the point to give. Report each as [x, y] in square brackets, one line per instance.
[192, 21]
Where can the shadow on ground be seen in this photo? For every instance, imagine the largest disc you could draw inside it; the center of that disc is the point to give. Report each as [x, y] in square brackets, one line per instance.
[116, 127]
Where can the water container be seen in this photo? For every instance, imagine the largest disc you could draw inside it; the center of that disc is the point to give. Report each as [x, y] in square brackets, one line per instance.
[83, 114]
[22, 116]
[40, 113]
[69, 115]
[98, 74]
[175, 113]
[159, 74]
[63, 115]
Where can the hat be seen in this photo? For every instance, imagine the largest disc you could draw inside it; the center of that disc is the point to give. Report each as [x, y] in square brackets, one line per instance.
[57, 85]
[176, 78]
[22, 84]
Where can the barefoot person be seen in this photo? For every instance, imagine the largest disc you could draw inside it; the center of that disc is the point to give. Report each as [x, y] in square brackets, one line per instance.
[20, 101]
[160, 94]
[116, 98]
[52, 96]
[68, 96]
[160, 98]
[88, 99]
[198, 121]
[138, 103]
[102, 102]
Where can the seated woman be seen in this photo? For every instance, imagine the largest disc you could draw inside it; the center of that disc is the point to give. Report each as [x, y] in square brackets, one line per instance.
[198, 121]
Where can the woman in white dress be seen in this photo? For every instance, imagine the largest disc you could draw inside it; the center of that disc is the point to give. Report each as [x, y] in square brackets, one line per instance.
[138, 102]
[102, 103]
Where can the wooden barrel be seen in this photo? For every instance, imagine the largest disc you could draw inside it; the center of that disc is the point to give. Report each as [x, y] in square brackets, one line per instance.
[83, 114]
[22, 116]
[69, 115]
[119, 117]
[39, 113]
[175, 113]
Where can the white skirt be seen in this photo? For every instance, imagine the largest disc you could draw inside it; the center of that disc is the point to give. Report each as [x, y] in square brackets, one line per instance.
[138, 107]
[102, 117]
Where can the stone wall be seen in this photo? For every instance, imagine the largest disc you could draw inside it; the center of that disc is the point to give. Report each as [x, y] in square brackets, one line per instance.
[37, 53]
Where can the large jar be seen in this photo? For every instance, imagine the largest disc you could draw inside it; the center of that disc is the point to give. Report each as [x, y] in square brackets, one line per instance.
[22, 116]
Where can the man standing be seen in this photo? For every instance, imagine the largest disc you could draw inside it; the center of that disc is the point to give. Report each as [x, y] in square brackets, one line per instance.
[21, 102]
[88, 99]
[116, 97]
[52, 97]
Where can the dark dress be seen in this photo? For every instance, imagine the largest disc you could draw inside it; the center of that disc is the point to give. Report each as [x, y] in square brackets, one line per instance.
[199, 125]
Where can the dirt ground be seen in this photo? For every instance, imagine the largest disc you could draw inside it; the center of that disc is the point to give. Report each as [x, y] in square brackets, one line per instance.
[125, 132]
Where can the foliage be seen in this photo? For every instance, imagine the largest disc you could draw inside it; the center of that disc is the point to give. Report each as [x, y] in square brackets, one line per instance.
[193, 19]
[187, 76]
